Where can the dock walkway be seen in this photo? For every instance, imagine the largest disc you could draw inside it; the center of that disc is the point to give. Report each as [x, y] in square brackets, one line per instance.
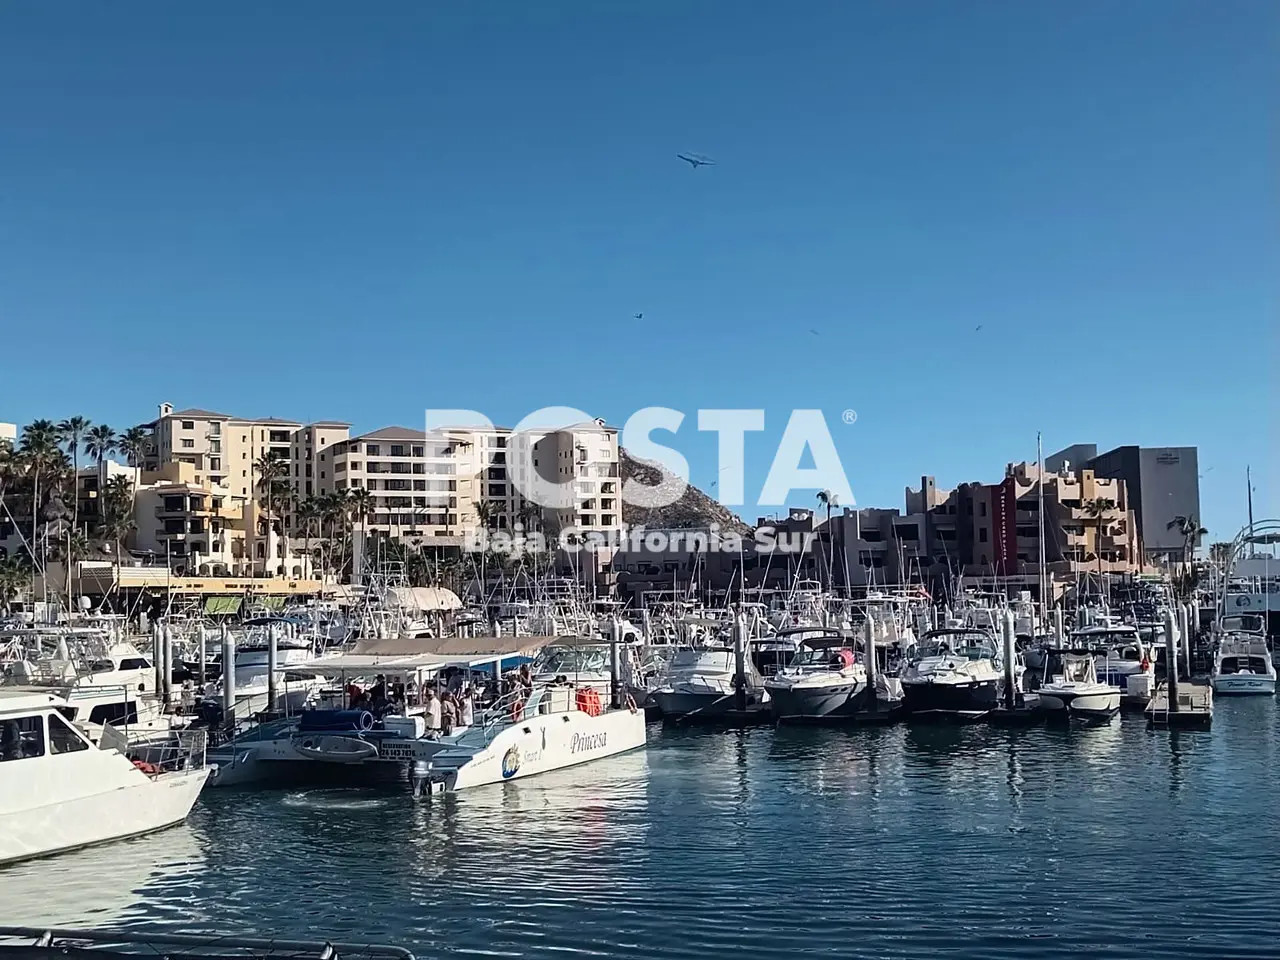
[1194, 708]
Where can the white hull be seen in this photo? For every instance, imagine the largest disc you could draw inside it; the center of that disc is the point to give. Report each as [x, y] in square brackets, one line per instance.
[537, 744]
[1088, 706]
[1240, 684]
[128, 811]
[553, 742]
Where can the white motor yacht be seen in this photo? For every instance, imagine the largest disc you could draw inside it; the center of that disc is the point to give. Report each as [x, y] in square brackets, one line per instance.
[1072, 690]
[60, 792]
[1243, 664]
[700, 680]
[824, 681]
[955, 672]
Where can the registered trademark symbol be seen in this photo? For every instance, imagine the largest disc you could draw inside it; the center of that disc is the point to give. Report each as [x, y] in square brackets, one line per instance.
[849, 416]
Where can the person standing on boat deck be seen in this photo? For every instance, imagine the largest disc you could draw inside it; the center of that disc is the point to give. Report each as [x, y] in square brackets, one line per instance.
[467, 707]
[431, 712]
[526, 680]
[448, 714]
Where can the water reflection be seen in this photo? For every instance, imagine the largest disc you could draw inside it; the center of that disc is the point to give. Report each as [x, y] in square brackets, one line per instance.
[900, 842]
[106, 885]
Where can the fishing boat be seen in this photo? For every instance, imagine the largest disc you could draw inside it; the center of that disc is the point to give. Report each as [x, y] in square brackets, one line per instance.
[1122, 658]
[58, 791]
[1243, 663]
[954, 673]
[824, 681]
[1071, 689]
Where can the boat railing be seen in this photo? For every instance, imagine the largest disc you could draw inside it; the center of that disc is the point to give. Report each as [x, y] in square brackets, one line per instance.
[38, 943]
[179, 750]
[518, 705]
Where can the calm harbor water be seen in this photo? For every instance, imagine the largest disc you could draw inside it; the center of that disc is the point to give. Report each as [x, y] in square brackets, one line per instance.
[903, 842]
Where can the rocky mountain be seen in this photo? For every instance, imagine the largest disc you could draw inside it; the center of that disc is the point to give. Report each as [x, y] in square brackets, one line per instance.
[693, 509]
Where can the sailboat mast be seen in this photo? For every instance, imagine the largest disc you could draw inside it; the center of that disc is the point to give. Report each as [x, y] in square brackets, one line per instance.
[1248, 482]
[1044, 596]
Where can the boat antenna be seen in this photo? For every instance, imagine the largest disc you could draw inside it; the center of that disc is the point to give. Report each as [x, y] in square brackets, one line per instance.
[1044, 593]
[1248, 482]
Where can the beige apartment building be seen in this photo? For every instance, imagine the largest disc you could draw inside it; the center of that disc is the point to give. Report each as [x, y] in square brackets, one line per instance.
[429, 491]
[207, 529]
[223, 449]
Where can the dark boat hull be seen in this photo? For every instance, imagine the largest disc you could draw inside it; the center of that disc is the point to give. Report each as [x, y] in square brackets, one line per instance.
[960, 701]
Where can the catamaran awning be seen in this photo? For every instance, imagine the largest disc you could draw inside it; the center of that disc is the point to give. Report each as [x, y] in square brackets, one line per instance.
[363, 664]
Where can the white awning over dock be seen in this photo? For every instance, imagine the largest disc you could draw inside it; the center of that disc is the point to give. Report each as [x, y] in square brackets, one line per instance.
[365, 664]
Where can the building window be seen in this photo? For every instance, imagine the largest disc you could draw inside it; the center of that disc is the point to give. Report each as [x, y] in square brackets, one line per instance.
[188, 424]
[188, 443]
[372, 449]
[215, 463]
[397, 450]
[982, 535]
[418, 451]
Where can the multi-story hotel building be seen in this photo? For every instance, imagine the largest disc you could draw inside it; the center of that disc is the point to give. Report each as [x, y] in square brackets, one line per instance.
[224, 449]
[443, 488]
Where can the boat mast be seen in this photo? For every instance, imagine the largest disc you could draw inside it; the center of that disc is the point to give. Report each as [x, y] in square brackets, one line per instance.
[1248, 482]
[1044, 596]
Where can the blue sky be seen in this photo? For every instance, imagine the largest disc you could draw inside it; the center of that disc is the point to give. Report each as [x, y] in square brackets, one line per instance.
[361, 212]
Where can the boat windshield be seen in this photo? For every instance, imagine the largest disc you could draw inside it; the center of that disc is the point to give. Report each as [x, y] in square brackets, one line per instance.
[1077, 669]
[834, 658]
[568, 661]
[972, 646]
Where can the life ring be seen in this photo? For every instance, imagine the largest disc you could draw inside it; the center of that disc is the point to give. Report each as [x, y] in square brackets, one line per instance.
[517, 711]
[631, 703]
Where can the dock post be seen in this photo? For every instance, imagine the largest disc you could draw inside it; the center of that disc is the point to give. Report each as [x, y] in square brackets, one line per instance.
[228, 677]
[1059, 628]
[1184, 641]
[1009, 635]
[740, 661]
[166, 660]
[1171, 658]
[615, 685]
[157, 658]
[203, 640]
[869, 658]
[273, 662]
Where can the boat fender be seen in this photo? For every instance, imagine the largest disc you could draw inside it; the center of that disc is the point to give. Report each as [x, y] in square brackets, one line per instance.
[517, 711]
[631, 703]
[148, 768]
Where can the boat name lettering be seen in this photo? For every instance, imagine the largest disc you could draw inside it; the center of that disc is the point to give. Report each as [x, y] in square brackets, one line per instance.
[583, 742]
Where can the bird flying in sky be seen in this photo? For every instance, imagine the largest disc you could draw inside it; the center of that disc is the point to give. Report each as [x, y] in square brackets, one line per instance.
[638, 316]
[696, 160]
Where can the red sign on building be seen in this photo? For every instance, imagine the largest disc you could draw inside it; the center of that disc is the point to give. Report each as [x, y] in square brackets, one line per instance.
[1004, 506]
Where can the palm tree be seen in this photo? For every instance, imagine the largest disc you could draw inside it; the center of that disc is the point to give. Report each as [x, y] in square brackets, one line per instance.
[1096, 509]
[100, 442]
[71, 432]
[828, 499]
[135, 444]
[360, 505]
[1191, 531]
[272, 474]
[308, 512]
[486, 516]
[117, 516]
[13, 574]
[43, 456]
